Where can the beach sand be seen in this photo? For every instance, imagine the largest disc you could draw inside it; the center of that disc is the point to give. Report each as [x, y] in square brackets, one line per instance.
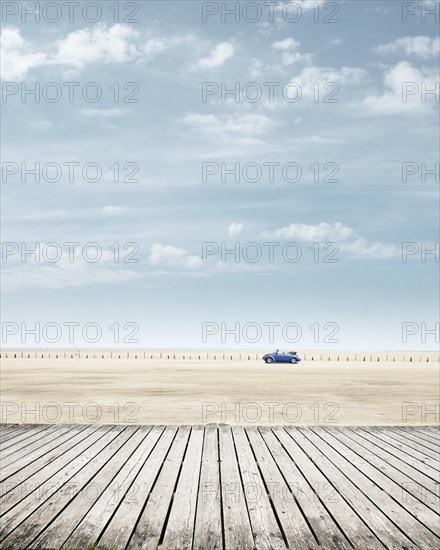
[199, 391]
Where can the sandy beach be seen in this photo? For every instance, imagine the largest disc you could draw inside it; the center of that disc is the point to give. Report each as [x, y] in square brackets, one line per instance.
[81, 389]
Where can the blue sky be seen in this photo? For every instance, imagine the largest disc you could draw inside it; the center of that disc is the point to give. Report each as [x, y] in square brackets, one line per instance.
[362, 61]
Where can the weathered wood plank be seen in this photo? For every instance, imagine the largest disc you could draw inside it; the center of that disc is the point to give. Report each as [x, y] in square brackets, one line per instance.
[405, 511]
[416, 442]
[356, 529]
[237, 527]
[352, 487]
[28, 530]
[34, 468]
[313, 503]
[428, 471]
[6, 429]
[208, 533]
[422, 487]
[93, 524]
[32, 443]
[423, 433]
[435, 429]
[13, 492]
[288, 512]
[152, 520]
[22, 430]
[61, 528]
[180, 527]
[267, 533]
[44, 451]
[119, 530]
[209, 488]
[22, 440]
[403, 447]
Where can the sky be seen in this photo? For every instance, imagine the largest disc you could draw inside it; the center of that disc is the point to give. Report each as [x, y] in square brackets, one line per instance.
[192, 177]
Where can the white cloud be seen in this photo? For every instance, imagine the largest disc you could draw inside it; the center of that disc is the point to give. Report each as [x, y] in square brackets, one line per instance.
[289, 58]
[103, 113]
[157, 45]
[240, 267]
[288, 48]
[230, 126]
[343, 236]
[402, 76]
[256, 68]
[115, 210]
[17, 58]
[217, 57]
[311, 233]
[419, 46]
[172, 256]
[344, 75]
[362, 248]
[66, 273]
[118, 43]
[42, 125]
[235, 229]
[335, 42]
[287, 44]
[303, 4]
[115, 44]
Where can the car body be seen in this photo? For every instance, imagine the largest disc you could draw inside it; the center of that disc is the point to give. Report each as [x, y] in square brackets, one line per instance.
[279, 356]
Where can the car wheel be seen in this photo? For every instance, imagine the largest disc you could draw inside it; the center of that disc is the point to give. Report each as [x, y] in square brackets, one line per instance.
[269, 360]
[293, 360]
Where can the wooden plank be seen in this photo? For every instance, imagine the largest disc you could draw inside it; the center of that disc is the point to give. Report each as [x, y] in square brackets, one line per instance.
[62, 481]
[71, 516]
[403, 447]
[121, 526]
[93, 524]
[396, 453]
[432, 431]
[13, 493]
[15, 428]
[152, 520]
[16, 461]
[35, 467]
[208, 533]
[313, 503]
[6, 446]
[422, 487]
[267, 533]
[179, 531]
[355, 527]
[32, 443]
[418, 442]
[136, 487]
[236, 522]
[287, 510]
[352, 488]
[423, 433]
[28, 428]
[432, 428]
[42, 451]
[6, 429]
[25, 534]
[408, 514]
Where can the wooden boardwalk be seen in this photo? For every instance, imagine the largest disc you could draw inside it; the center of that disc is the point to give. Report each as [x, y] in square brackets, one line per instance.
[219, 487]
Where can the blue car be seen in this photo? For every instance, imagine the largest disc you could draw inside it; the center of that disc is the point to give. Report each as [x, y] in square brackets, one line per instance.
[282, 357]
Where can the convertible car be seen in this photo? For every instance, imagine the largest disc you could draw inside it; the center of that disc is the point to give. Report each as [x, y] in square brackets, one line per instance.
[282, 357]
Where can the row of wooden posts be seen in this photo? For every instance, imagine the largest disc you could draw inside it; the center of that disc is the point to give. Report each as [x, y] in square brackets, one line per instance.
[224, 356]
